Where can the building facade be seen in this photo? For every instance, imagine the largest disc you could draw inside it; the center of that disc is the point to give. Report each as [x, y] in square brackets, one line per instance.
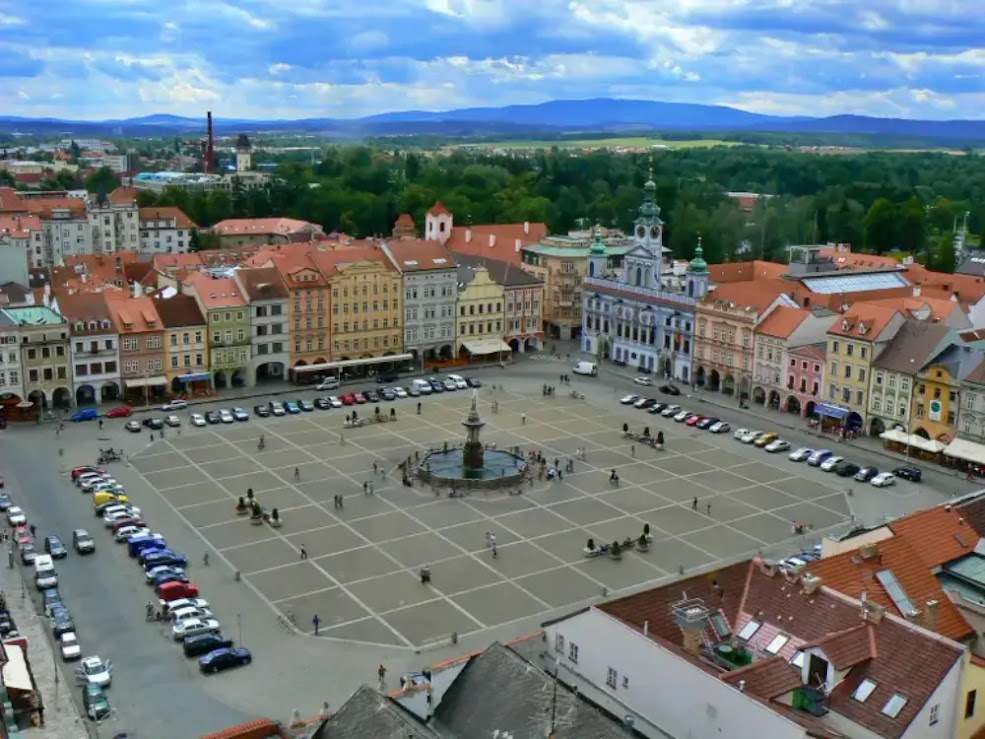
[186, 336]
[225, 309]
[430, 287]
[165, 231]
[45, 355]
[67, 231]
[522, 303]
[784, 328]
[141, 346]
[21, 246]
[115, 221]
[804, 373]
[265, 231]
[480, 312]
[971, 417]
[937, 395]
[367, 305]
[270, 339]
[632, 318]
[95, 348]
[11, 377]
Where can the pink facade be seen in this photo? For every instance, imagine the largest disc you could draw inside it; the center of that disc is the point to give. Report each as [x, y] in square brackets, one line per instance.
[523, 324]
[803, 378]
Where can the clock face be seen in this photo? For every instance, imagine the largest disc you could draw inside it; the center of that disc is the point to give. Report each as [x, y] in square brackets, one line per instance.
[654, 232]
[641, 231]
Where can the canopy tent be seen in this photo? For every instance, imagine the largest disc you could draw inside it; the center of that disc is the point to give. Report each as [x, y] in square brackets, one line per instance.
[831, 411]
[899, 436]
[486, 346]
[966, 450]
[146, 381]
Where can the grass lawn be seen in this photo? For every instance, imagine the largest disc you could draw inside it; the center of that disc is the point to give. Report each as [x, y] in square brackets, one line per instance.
[624, 142]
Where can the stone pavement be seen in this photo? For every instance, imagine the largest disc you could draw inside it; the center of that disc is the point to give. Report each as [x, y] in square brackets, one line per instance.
[60, 716]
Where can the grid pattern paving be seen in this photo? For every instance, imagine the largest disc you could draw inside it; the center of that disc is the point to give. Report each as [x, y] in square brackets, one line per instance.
[703, 502]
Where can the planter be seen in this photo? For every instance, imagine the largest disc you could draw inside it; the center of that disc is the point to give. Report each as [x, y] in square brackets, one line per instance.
[275, 523]
[256, 521]
[643, 546]
[242, 511]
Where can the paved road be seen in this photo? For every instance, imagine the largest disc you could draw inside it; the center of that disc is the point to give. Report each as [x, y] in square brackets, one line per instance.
[106, 592]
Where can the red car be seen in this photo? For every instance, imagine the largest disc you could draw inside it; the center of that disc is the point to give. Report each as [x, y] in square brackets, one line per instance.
[124, 411]
[139, 522]
[694, 420]
[348, 399]
[85, 469]
[22, 536]
[359, 397]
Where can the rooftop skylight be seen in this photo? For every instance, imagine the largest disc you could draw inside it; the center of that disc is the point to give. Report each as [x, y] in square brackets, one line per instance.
[864, 690]
[895, 704]
[749, 630]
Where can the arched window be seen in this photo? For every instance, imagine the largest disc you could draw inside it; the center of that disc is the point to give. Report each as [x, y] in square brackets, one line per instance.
[591, 269]
[639, 276]
[690, 289]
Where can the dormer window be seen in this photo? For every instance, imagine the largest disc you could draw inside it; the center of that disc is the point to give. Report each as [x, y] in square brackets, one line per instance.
[864, 690]
[862, 329]
[798, 660]
[778, 642]
[895, 704]
[749, 630]
[845, 324]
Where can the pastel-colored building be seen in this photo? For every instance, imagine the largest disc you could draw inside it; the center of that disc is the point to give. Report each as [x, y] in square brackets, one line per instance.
[11, 378]
[95, 347]
[783, 328]
[522, 317]
[186, 336]
[45, 355]
[141, 345]
[480, 313]
[804, 373]
[937, 395]
[234, 232]
[222, 302]
[270, 339]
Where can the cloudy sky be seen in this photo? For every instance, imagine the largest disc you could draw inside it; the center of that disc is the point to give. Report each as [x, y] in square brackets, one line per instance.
[97, 59]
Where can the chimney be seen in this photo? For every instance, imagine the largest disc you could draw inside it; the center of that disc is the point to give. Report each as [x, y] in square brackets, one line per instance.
[136, 289]
[931, 615]
[517, 246]
[868, 551]
[646, 628]
[742, 686]
[692, 641]
[767, 568]
[811, 583]
[916, 290]
[468, 236]
[492, 240]
[872, 612]
[526, 227]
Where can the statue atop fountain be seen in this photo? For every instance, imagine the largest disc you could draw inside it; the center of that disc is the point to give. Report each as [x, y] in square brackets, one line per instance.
[472, 451]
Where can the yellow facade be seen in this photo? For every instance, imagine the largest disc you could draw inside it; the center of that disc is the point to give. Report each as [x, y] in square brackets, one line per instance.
[971, 700]
[935, 404]
[848, 374]
[186, 351]
[480, 309]
[366, 311]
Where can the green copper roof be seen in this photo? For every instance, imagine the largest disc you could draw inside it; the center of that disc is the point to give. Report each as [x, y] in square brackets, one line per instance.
[698, 264]
[598, 248]
[574, 252]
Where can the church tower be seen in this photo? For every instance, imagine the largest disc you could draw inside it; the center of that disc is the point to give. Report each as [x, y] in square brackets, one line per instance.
[244, 153]
[697, 274]
[598, 257]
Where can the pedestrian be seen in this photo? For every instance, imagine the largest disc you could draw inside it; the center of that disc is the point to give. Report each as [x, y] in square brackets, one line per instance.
[375, 468]
[297, 474]
[495, 551]
[381, 674]
[371, 490]
[100, 424]
[425, 575]
[365, 487]
[341, 503]
[560, 475]
[317, 622]
[632, 450]
[33, 530]
[708, 508]
[304, 552]
[523, 419]
[488, 540]
[694, 503]
[418, 409]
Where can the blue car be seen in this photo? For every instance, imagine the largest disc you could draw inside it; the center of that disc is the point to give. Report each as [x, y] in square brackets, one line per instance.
[86, 414]
[224, 658]
[156, 557]
[291, 407]
[170, 576]
[138, 544]
[144, 554]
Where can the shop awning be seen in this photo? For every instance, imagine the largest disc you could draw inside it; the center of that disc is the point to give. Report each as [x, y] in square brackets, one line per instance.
[896, 435]
[969, 451]
[899, 436]
[146, 381]
[15, 673]
[831, 411]
[486, 346]
[195, 377]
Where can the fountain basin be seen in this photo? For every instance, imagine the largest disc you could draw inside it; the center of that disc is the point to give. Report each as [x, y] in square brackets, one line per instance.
[447, 467]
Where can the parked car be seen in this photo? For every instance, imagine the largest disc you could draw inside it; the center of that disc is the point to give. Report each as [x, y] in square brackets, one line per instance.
[28, 553]
[388, 394]
[261, 411]
[694, 419]
[175, 405]
[95, 702]
[61, 622]
[371, 396]
[642, 381]
[721, 427]
[818, 457]
[656, 408]
[883, 479]
[642, 402]
[16, 516]
[195, 646]
[846, 469]
[473, 382]
[629, 399]
[198, 420]
[154, 424]
[222, 659]
[158, 557]
[909, 472]
[133, 427]
[831, 462]
[174, 590]
[306, 406]
[866, 473]
[212, 417]
[193, 627]
[751, 437]
[670, 389]
[86, 414]
[776, 446]
[277, 409]
[86, 469]
[53, 546]
[175, 605]
[121, 411]
[670, 411]
[763, 439]
[323, 404]
[681, 416]
[801, 455]
[68, 644]
[706, 423]
[5, 502]
[739, 433]
[94, 671]
[328, 383]
[226, 417]
[173, 421]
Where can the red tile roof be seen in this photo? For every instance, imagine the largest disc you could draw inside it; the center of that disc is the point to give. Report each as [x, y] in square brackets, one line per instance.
[782, 321]
[496, 241]
[439, 209]
[405, 219]
[133, 315]
[167, 214]
[914, 306]
[756, 294]
[769, 678]
[123, 195]
[19, 226]
[252, 226]
[745, 271]
[863, 321]
[849, 647]
[937, 534]
[418, 255]
[221, 292]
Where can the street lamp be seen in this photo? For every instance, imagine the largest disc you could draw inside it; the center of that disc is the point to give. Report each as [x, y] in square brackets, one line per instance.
[239, 628]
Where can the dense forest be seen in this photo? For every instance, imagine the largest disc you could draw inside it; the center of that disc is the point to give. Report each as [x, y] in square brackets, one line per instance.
[878, 202]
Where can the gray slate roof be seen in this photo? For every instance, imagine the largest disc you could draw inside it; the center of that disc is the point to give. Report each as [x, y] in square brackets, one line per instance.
[504, 273]
[370, 715]
[913, 346]
[501, 691]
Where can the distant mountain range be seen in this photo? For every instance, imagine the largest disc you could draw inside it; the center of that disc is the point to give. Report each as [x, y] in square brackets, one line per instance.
[555, 118]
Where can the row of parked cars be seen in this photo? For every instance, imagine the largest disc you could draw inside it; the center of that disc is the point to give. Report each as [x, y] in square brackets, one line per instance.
[191, 621]
[676, 413]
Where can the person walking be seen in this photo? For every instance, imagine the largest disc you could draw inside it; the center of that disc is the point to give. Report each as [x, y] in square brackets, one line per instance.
[495, 550]
[297, 474]
[376, 468]
[317, 622]
[694, 503]
[205, 559]
[418, 409]
[371, 489]
[365, 487]
[381, 674]
[708, 509]
[523, 419]
[304, 552]
[632, 450]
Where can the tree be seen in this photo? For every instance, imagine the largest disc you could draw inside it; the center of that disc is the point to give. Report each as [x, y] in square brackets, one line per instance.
[944, 258]
[201, 240]
[879, 226]
[102, 180]
[912, 225]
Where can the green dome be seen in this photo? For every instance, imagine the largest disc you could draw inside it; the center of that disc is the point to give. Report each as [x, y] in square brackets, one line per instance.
[698, 264]
[598, 248]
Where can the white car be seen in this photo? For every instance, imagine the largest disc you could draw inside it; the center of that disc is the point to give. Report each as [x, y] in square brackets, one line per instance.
[333, 400]
[792, 563]
[155, 571]
[93, 671]
[640, 403]
[629, 399]
[399, 392]
[642, 380]
[175, 405]
[739, 433]
[240, 415]
[183, 614]
[670, 411]
[198, 419]
[719, 428]
[98, 483]
[831, 462]
[110, 517]
[180, 603]
[750, 437]
[15, 516]
[89, 476]
[125, 532]
[883, 479]
[801, 455]
[459, 381]
[68, 643]
[193, 627]
[777, 445]
[679, 417]
[172, 421]
[226, 417]
[277, 409]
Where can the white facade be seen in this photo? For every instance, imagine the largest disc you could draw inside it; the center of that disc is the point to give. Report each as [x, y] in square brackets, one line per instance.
[114, 227]
[11, 377]
[95, 362]
[163, 236]
[429, 311]
[664, 693]
[270, 342]
[65, 235]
